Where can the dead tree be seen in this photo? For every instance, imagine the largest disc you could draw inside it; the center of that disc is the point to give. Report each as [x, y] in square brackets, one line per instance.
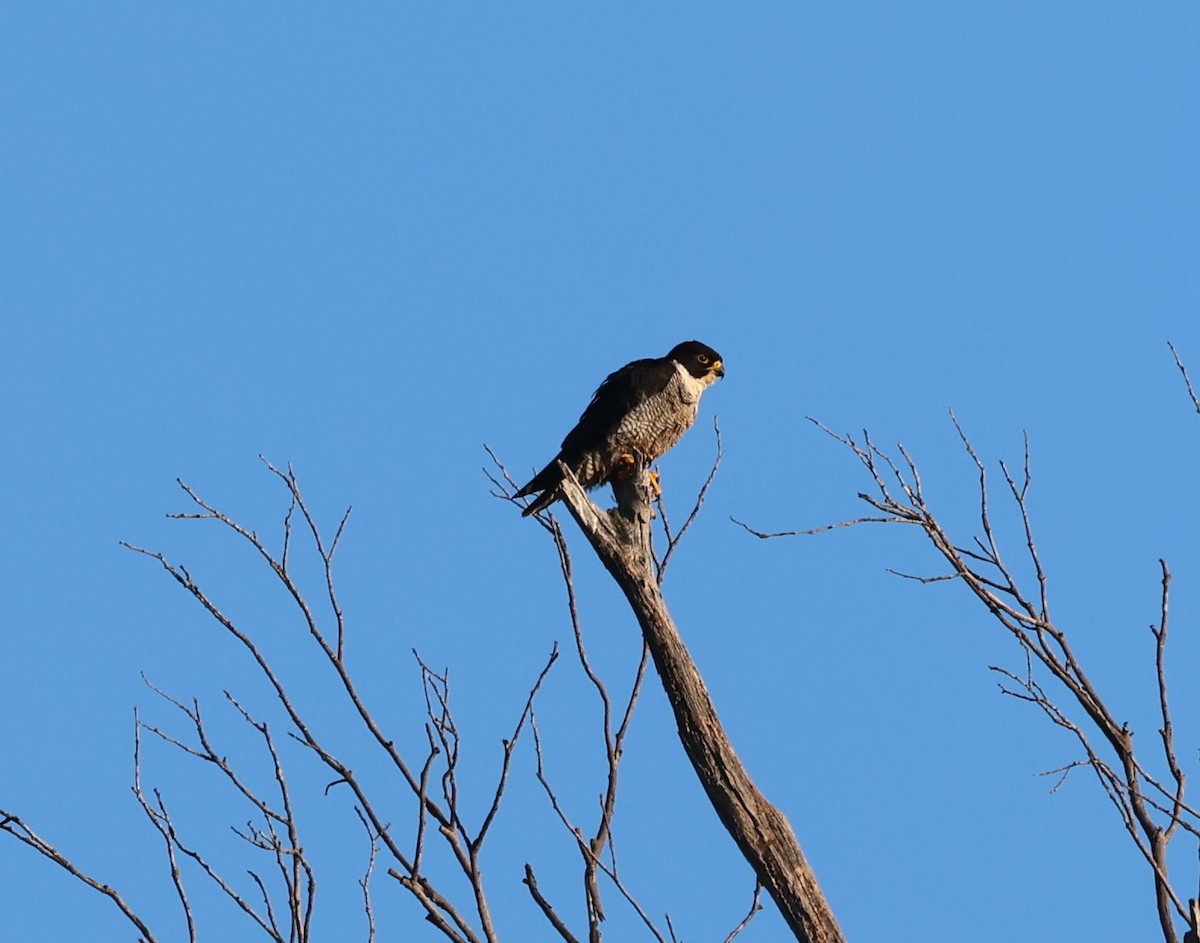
[280, 896]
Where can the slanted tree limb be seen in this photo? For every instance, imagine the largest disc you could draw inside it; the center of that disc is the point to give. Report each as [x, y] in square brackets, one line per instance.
[15, 826]
[621, 538]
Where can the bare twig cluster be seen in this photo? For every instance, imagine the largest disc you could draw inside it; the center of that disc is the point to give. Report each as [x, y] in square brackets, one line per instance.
[1150, 800]
[417, 844]
[592, 848]
[280, 899]
[278, 835]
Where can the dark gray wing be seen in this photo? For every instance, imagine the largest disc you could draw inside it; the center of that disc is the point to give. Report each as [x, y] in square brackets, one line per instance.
[616, 397]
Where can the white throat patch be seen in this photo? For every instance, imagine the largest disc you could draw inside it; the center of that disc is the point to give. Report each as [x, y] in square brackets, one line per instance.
[692, 388]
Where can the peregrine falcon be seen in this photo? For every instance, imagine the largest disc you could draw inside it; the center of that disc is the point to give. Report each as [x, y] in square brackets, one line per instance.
[644, 407]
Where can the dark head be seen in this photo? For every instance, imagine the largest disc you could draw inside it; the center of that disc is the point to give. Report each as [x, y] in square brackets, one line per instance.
[700, 360]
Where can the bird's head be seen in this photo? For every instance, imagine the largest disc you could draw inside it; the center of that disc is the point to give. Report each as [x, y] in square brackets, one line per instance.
[700, 360]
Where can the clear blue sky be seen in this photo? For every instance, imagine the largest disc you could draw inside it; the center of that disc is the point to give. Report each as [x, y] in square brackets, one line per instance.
[368, 238]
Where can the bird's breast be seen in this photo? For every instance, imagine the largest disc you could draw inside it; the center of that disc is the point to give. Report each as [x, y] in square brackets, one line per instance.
[658, 422]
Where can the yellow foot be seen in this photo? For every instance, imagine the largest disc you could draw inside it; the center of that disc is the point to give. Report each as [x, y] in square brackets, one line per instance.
[654, 484]
[623, 467]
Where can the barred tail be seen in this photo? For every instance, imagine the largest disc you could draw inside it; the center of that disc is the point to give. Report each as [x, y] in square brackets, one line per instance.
[546, 481]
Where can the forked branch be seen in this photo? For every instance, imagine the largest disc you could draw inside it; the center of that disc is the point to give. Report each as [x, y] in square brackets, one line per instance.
[1151, 806]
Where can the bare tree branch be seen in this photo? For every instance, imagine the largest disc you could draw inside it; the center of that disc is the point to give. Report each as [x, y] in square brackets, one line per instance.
[755, 907]
[14, 825]
[764, 535]
[1186, 379]
[673, 539]
[464, 844]
[365, 881]
[294, 870]
[1150, 808]
[593, 863]
[530, 881]
[157, 819]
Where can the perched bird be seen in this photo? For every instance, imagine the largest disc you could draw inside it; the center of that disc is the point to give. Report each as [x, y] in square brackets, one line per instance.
[645, 407]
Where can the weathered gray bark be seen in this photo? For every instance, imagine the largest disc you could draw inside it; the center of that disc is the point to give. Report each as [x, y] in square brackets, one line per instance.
[621, 538]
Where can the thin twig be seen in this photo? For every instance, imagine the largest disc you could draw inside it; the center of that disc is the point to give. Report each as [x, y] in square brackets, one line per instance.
[1186, 379]
[161, 827]
[673, 541]
[365, 881]
[14, 825]
[755, 907]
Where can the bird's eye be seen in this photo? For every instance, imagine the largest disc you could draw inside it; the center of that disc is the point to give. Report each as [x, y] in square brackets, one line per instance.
[703, 358]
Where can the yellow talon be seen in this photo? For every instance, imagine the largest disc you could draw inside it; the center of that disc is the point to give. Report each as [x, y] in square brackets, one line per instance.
[625, 465]
[654, 484]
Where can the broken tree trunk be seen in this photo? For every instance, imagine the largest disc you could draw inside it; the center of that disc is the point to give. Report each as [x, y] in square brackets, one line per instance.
[621, 538]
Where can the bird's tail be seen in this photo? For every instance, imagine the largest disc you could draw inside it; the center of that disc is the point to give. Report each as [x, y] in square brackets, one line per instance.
[546, 481]
[543, 501]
